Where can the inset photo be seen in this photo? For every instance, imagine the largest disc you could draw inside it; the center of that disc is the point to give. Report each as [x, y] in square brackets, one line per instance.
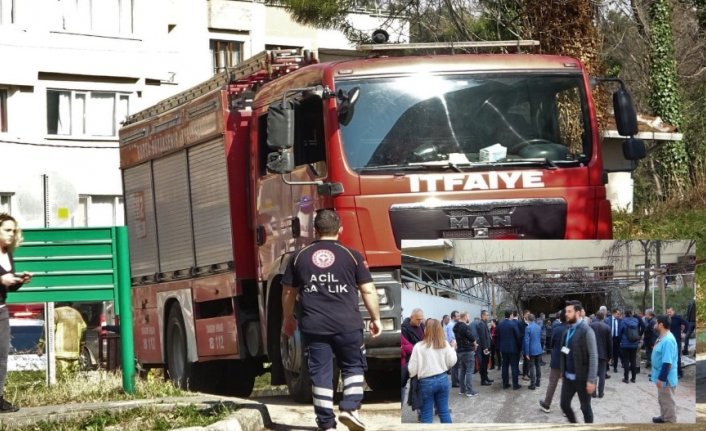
[548, 331]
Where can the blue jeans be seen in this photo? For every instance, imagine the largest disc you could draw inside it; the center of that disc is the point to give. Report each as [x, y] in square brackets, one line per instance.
[435, 392]
[465, 377]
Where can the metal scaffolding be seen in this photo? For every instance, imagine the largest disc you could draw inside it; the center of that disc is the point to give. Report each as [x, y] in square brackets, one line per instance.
[437, 278]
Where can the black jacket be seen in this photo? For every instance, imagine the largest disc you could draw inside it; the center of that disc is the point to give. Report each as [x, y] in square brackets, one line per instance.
[651, 335]
[408, 332]
[464, 337]
[14, 287]
[691, 312]
[585, 353]
[604, 340]
[481, 329]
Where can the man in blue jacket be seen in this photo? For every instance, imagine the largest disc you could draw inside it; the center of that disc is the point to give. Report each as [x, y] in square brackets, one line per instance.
[630, 334]
[532, 348]
[509, 340]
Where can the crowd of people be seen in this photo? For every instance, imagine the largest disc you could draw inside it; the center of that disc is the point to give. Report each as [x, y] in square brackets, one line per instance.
[582, 351]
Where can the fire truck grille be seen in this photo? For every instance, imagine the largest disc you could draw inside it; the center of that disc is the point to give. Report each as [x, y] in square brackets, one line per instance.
[492, 233]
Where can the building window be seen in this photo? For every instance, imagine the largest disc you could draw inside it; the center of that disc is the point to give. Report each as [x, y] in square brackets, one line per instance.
[97, 16]
[7, 11]
[225, 54]
[603, 272]
[85, 113]
[99, 210]
[3, 110]
[6, 203]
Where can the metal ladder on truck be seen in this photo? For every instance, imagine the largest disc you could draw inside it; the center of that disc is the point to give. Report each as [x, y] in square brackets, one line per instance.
[247, 76]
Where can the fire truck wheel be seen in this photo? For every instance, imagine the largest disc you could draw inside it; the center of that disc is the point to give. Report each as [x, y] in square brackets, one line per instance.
[178, 365]
[380, 380]
[296, 372]
[85, 361]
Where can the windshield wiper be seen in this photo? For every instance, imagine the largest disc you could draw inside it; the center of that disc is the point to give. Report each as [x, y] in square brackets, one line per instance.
[551, 164]
[412, 167]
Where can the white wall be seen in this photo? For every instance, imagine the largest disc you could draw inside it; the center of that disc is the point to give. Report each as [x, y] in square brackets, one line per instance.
[435, 306]
[169, 44]
[489, 256]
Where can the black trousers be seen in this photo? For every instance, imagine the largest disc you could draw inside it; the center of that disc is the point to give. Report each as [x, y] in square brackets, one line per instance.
[602, 364]
[629, 362]
[511, 359]
[483, 365]
[568, 389]
[616, 353]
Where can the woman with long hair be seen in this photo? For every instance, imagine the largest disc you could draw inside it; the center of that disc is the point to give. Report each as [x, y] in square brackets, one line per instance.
[431, 359]
[10, 281]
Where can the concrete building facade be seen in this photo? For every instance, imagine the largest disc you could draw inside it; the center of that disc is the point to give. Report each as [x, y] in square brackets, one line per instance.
[72, 72]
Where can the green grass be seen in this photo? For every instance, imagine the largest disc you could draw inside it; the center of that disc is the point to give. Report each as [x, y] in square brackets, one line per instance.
[28, 388]
[139, 419]
[672, 220]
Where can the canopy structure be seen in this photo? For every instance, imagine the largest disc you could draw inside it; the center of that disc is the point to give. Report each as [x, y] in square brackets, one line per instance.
[547, 284]
[442, 279]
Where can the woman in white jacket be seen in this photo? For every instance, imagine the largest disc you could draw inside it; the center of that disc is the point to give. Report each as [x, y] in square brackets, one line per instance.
[430, 360]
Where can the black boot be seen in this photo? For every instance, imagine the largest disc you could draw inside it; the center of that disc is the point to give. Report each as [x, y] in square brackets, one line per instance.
[6, 407]
[634, 373]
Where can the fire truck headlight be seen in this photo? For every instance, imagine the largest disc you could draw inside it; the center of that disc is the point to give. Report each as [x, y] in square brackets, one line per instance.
[382, 296]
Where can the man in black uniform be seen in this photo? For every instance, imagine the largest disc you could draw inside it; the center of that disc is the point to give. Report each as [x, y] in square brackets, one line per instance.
[326, 276]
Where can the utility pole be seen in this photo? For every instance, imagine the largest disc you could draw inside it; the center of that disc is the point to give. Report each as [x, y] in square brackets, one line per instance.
[662, 291]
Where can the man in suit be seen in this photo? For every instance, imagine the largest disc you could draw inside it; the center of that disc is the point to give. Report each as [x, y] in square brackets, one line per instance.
[524, 322]
[484, 345]
[614, 323]
[579, 364]
[532, 349]
[604, 344]
[413, 326]
[676, 327]
[509, 340]
[650, 337]
[451, 338]
[691, 319]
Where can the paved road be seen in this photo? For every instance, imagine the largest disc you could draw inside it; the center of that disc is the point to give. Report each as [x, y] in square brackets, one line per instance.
[380, 411]
[623, 403]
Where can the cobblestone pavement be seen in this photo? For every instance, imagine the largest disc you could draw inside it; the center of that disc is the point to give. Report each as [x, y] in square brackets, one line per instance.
[622, 404]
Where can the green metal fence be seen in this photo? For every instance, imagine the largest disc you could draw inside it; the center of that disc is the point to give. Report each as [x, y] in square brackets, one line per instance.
[80, 264]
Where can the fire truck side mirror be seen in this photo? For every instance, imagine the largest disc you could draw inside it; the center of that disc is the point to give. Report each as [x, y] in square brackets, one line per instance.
[281, 162]
[280, 126]
[625, 117]
[634, 149]
[346, 108]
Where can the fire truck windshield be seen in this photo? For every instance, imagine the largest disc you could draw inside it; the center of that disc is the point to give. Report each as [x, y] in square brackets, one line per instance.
[461, 122]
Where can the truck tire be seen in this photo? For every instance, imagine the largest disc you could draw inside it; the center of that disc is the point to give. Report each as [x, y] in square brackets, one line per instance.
[297, 376]
[85, 360]
[382, 380]
[241, 377]
[179, 369]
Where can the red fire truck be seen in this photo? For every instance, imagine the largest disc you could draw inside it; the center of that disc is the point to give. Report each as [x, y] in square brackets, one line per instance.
[221, 183]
